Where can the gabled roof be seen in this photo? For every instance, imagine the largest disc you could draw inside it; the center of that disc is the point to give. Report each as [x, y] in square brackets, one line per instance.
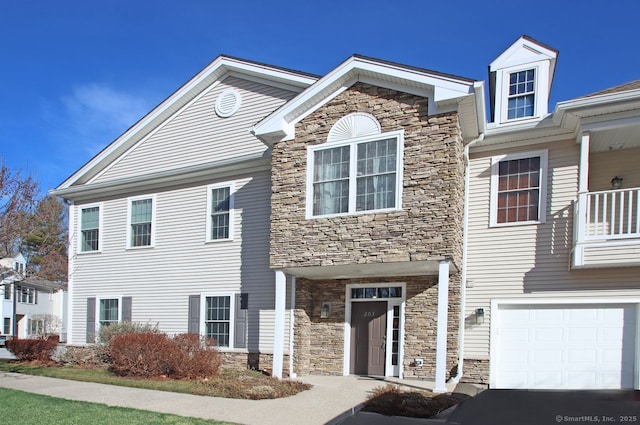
[524, 50]
[444, 91]
[216, 71]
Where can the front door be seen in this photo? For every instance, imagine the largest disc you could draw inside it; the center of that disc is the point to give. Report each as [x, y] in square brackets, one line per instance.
[368, 332]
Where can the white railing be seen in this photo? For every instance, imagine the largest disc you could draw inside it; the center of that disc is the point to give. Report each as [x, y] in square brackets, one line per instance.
[612, 214]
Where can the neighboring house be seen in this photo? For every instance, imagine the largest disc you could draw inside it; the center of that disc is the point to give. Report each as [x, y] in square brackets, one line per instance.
[371, 222]
[31, 307]
[554, 233]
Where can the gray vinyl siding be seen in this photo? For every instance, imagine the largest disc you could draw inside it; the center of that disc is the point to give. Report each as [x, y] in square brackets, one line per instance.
[196, 135]
[161, 279]
[530, 260]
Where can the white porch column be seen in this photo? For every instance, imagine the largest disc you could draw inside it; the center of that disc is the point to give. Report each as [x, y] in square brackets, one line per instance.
[583, 189]
[278, 334]
[441, 338]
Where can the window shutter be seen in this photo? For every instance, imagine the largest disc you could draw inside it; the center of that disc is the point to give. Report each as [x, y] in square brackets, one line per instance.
[126, 309]
[240, 322]
[194, 314]
[91, 320]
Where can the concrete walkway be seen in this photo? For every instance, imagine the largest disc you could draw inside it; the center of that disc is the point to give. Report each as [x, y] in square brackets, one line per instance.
[331, 400]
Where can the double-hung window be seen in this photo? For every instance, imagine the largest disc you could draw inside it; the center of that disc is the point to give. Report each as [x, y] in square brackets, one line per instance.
[518, 188]
[355, 176]
[217, 319]
[27, 295]
[521, 98]
[90, 229]
[141, 222]
[219, 212]
[109, 311]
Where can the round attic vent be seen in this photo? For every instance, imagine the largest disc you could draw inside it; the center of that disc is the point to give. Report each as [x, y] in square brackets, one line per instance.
[228, 103]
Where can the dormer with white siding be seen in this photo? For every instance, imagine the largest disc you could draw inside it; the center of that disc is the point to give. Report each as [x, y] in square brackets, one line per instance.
[520, 82]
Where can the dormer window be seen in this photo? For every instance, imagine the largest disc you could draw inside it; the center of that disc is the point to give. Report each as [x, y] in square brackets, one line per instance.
[520, 83]
[521, 103]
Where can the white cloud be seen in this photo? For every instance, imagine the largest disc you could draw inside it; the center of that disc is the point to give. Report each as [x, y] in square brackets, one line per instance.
[97, 114]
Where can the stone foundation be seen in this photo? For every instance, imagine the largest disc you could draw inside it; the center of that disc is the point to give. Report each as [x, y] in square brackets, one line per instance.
[255, 361]
[475, 371]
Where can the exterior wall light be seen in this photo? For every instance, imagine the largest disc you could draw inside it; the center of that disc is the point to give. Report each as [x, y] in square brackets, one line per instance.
[480, 316]
[616, 183]
[325, 311]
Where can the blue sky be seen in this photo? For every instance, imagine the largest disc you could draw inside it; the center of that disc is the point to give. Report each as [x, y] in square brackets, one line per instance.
[76, 74]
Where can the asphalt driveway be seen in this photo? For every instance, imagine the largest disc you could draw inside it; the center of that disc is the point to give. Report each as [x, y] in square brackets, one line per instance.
[542, 407]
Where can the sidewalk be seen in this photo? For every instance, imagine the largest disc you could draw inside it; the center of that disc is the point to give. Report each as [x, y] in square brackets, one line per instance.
[330, 401]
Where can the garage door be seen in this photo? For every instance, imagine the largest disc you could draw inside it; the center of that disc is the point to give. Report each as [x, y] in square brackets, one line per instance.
[564, 346]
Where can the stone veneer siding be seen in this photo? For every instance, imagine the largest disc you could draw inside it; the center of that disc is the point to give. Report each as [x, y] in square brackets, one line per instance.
[319, 346]
[429, 226]
[475, 371]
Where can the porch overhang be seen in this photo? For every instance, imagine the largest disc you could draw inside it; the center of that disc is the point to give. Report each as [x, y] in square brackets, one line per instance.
[352, 271]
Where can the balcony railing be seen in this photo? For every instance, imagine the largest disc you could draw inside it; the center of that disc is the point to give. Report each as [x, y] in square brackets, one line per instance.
[611, 214]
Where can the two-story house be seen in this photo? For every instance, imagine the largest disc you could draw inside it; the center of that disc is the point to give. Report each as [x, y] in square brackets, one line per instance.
[369, 221]
[553, 233]
[30, 307]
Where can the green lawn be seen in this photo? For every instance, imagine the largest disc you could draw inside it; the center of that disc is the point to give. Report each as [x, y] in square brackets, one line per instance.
[20, 408]
[230, 383]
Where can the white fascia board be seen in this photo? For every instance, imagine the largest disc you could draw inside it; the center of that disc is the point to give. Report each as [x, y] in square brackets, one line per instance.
[521, 52]
[233, 166]
[599, 100]
[445, 88]
[220, 67]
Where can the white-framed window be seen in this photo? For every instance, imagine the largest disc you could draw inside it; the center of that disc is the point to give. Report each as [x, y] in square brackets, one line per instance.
[27, 295]
[109, 311]
[218, 311]
[90, 225]
[7, 326]
[35, 327]
[521, 97]
[220, 198]
[518, 188]
[355, 176]
[141, 222]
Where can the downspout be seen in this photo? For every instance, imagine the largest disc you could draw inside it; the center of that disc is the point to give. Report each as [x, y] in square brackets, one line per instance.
[463, 275]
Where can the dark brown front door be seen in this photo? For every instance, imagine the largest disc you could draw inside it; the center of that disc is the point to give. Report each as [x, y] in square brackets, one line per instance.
[368, 331]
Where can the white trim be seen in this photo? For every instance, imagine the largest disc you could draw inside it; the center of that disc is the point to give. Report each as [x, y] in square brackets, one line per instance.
[222, 185]
[391, 302]
[97, 318]
[542, 201]
[81, 208]
[498, 302]
[232, 315]
[353, 143]
[279, 322]
[70, 265]
[292, 311]
[441, 327]
[130, 200]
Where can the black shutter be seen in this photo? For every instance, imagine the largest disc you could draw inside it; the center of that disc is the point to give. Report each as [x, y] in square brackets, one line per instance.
[126, 309]
[240, 322]
[91, 320]
[194, 314]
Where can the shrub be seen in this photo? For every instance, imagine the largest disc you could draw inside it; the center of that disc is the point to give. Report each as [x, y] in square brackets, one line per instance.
[32, 349]
[149, 355]
[200, 357]
[106, 333]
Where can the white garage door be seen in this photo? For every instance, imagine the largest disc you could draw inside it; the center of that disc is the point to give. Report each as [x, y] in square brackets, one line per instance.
[565, 346]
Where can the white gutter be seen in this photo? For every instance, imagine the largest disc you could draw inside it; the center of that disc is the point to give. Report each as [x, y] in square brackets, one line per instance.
[463, 275]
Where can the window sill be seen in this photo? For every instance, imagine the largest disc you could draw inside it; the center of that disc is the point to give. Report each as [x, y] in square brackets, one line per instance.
[356, 213]
[136, 248]
[216, 241]
[89, 252]
[515, 223]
